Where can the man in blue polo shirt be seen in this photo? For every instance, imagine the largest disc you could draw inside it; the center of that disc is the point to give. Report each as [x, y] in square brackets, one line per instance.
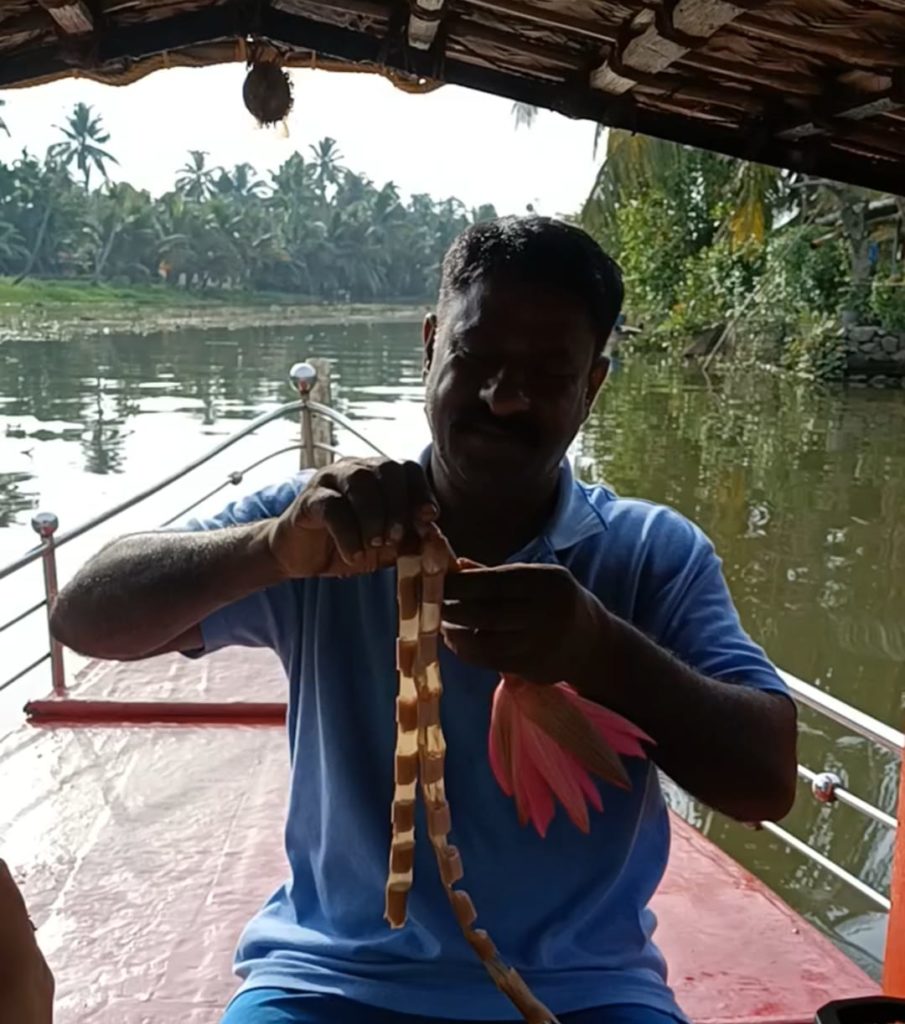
[623, 599]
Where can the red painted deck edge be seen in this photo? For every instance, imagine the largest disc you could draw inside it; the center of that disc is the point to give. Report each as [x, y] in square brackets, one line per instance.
[70, 711]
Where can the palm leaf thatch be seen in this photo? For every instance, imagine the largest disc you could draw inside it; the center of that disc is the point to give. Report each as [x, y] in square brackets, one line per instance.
[812, 86]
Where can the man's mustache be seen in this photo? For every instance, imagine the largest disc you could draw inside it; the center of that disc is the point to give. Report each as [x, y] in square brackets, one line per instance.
[519, 427]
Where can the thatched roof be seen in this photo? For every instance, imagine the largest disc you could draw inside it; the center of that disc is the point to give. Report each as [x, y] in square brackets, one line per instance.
[811, 85]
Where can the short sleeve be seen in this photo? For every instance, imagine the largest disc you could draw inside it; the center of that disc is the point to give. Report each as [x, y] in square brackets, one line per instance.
[266, 617]
[689, 610]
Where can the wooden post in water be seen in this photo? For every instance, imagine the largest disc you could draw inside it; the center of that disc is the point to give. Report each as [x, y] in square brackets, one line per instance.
[894, 961]
[312, 381]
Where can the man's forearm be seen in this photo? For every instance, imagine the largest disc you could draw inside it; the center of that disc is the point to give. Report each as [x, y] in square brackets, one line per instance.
[732, 747]
[142, 591]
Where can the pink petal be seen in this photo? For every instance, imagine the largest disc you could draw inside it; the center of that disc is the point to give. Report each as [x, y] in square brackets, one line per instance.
[500, 740]
[560, 770]
[529, 764]
[532, 793]
[590, 790]
[621, 734]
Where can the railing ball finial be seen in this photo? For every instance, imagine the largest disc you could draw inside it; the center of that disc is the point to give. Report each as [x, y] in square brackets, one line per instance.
[45, 524]
[824, 787]
[303, 377]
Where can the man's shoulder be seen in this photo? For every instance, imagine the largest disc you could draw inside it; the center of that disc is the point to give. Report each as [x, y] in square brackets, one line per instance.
[266, 503]
[638, 522]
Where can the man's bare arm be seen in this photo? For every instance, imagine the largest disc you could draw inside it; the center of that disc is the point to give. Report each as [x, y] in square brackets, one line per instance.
[146, 594]
[732, 747]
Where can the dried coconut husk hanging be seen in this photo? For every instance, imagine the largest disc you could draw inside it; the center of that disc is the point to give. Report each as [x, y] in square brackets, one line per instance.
[267, 93]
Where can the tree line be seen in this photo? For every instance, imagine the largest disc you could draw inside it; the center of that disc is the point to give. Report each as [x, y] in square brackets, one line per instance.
[781, 259]
[313, 228]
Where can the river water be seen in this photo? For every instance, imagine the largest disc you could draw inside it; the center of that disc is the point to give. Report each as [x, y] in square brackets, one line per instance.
[802, 492]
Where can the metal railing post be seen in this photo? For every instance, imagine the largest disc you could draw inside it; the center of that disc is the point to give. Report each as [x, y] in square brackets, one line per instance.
[304, 377]
[45, 525]
[894, 960]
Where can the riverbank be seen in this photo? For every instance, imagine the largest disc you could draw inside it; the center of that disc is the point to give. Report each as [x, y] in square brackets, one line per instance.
[61, 311]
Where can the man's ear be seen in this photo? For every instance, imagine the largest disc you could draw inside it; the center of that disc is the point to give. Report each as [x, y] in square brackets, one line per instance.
[599, 372]
[429, 339]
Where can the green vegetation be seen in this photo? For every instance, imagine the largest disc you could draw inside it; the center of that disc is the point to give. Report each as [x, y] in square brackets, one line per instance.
[760, 262]
[313, 230]
[36, 291]
[780, 259]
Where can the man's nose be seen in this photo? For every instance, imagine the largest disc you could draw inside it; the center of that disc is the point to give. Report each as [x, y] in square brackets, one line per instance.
[506, 393]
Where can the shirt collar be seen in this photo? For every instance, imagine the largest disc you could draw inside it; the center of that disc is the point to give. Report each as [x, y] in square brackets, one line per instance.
[574, 517]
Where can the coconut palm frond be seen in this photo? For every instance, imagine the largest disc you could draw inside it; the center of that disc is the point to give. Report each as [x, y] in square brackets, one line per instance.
[756, 193]
[525, 114]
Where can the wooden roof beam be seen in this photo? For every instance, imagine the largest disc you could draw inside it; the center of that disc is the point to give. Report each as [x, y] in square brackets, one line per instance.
[545, 18]
[603, 32]
[657, 37]
[865, 54]
[72, 16]
[823, 117]
[424, 22]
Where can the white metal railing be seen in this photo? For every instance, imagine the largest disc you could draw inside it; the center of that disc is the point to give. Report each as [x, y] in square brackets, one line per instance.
[825, 787]
[844, 714]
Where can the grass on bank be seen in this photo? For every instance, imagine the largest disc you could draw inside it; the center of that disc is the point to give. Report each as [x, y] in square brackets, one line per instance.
[36, 292]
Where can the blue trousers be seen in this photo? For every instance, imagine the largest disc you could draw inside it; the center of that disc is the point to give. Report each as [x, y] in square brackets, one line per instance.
[280, 1006]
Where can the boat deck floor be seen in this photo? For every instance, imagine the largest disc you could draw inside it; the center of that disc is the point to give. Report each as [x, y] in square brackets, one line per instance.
[141, 867]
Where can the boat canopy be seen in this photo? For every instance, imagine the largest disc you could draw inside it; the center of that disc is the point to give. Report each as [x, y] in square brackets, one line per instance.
[812, 86]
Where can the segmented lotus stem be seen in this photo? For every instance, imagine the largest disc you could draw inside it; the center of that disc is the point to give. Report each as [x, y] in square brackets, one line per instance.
[421, 752]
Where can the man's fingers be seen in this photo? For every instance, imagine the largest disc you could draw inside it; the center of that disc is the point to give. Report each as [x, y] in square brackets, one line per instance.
[389, 499]
[501, 651]
[420, 499]
[489, 615]
[503, 583]
[365, 495]
[396, 502]
[336, 515]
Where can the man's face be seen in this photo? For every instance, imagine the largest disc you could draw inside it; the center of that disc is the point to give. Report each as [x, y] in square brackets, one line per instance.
[511, 372]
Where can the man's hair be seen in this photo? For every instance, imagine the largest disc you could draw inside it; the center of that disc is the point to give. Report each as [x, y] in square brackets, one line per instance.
[542, 251]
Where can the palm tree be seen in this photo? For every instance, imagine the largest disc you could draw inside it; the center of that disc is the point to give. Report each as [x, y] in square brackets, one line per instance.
[195, 179]
[750, 194]
[241, 182]
[113, 212]
[634, 161]
[524, 114]
[312, 228]
[327, 165]
[13, 251]
[84, 137]
[42, 191]
[3, 127]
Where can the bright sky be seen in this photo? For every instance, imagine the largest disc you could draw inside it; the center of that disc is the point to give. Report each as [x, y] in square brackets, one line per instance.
[449, 142]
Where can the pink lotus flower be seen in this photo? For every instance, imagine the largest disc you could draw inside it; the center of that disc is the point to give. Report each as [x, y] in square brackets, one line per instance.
[546, 742]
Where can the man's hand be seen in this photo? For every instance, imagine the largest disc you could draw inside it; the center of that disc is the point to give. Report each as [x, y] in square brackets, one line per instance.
[535, 621]
[26, 984]
[729, 745]
[351, 518]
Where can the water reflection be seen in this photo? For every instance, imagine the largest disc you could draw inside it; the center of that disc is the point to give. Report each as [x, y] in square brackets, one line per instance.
[802, 493]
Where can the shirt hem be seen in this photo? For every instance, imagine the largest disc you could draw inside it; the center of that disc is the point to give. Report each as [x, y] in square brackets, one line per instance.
[570, 994]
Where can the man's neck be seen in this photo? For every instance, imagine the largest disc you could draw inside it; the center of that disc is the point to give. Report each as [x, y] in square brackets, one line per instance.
[490, 528]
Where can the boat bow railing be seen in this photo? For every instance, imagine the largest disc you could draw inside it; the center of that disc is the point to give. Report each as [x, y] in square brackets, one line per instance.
[825, 786]
[304, 379]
